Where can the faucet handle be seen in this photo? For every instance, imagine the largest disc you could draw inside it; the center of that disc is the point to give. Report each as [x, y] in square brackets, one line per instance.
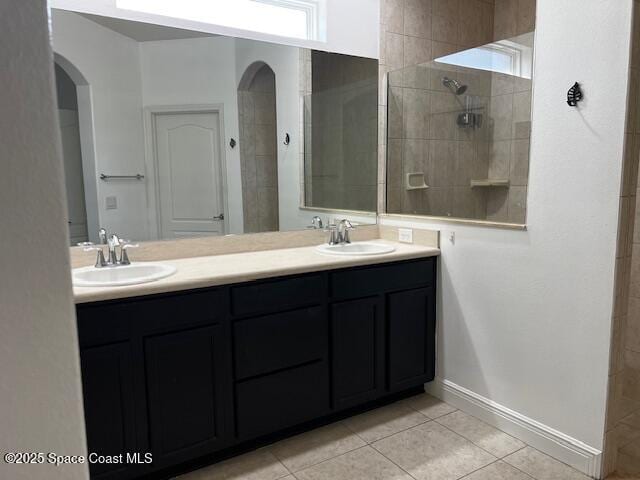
[124, 246]
[114, 240]
[343, 231]
[316, 222]
[100, 261]
[347, 224]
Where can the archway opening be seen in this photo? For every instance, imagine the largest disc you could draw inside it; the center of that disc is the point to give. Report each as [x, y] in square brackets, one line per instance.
[76, 119]
[258, 148]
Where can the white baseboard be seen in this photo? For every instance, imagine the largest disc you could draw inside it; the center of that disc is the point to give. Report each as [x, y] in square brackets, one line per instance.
[546, 439]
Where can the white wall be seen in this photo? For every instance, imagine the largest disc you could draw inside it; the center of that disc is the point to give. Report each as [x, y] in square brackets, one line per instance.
[352, 26]
[524, 316]
[198, 71]
[40, 391]
[111, 65]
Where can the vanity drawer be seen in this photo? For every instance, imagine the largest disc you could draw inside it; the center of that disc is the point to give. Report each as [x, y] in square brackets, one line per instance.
[159, 314]
[93, 319]
[287, 293]
[273, 342]
[273, 402]
[363, 282]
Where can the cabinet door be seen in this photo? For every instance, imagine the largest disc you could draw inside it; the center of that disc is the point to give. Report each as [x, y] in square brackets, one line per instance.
[107, 386]
[412, 327]
[357, 351]
[187, 394]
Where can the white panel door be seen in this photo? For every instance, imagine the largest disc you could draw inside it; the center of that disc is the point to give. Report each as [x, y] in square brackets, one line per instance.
[189, 174]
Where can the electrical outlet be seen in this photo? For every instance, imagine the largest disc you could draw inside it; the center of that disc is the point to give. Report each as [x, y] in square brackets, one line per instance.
[111, 203]
[405, 235]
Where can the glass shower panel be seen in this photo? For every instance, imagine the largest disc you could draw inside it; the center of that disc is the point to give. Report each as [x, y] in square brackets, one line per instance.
[341, 134]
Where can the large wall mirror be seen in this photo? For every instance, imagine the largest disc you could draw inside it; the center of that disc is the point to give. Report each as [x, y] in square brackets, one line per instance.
[171, 133]
[458, 126]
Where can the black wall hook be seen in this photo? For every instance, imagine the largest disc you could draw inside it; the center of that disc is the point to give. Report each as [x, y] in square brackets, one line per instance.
[232, 143]
[287, 139]
[574, 95]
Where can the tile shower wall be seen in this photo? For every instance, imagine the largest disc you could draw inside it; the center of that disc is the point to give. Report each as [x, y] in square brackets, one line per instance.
[258, 153]
[341, 146]
[622, 438]
[413, 33]
[509, 116]
[427, 147]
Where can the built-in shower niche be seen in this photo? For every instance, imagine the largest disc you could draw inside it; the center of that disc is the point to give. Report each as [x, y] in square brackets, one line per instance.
[458, 142]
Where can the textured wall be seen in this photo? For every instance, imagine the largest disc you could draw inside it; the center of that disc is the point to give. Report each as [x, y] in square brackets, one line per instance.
[525, 316]
[40, 381]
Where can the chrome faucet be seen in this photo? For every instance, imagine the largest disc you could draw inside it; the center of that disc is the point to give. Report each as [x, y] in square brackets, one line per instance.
[124, 256]
[332, 229]
[343, 231]
[100, 261]
[316, 223]
[339, 234]
[112, 242]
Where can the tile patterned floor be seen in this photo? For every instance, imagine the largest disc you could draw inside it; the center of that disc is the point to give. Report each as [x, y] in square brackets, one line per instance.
[420, 438]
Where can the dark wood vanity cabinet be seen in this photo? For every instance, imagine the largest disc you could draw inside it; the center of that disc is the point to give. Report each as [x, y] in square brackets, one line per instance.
[358, 351]
[186, 394]
[411, 316]
[168, 379]
[191, 374]
[184, 348]
[109, 404]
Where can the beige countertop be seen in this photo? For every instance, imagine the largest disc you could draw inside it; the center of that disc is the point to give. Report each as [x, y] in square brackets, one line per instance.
[200, 272]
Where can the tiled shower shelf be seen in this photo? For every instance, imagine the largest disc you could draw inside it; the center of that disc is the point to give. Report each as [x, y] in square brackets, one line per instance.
[487, 182]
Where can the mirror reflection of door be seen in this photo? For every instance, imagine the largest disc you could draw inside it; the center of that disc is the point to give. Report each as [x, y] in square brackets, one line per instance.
[179, 128]
[72, 155]
[258, 150]
[190, 187]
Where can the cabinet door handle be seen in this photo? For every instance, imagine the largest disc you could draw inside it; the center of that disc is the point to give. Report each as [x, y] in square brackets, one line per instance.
[219, 217]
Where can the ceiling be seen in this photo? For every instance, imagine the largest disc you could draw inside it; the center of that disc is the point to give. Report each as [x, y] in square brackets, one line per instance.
[144, 32]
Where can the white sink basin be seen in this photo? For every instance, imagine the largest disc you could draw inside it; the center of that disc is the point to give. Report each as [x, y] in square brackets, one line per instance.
[356, 248]
[139, 272]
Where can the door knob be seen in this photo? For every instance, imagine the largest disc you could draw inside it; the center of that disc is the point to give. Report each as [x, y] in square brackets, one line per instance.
[219, 217]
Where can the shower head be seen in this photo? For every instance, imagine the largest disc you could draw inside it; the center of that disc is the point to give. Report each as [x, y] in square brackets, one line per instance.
[453, 85]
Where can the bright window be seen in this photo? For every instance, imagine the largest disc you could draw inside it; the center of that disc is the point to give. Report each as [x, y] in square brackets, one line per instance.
[513, 57]
[288, 18]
